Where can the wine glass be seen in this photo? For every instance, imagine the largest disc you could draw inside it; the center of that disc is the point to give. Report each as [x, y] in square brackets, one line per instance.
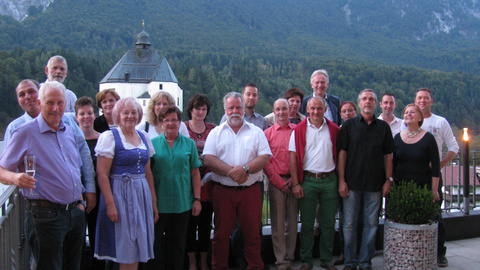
[30, 162]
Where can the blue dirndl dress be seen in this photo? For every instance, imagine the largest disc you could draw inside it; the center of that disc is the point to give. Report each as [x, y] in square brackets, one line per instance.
[130, 239]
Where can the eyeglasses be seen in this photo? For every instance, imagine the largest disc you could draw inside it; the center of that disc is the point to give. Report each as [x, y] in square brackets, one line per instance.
[168, 121]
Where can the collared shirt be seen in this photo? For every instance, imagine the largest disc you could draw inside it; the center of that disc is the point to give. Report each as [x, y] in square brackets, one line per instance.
[366, 145]
[278, 138]
[171, 170]
[395, 125]
[88, 173]
[237, 149]
[57, 160]
[255, 119]
[318, 150]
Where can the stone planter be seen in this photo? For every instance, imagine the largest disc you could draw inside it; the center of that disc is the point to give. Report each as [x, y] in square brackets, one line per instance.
[410, 246]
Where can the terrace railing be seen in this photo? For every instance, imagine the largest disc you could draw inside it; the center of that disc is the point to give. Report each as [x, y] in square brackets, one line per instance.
[14, 251]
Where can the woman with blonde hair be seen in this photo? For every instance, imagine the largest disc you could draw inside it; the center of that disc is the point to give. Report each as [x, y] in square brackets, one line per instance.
[153, 127]
[416, 153]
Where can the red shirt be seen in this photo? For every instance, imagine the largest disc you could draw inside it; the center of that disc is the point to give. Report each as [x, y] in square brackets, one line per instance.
[278, 138]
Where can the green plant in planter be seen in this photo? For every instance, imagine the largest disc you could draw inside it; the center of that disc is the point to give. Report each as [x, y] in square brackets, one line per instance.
[409, 203]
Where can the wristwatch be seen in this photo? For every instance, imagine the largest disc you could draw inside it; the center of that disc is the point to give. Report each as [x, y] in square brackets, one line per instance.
[246, 168]
[390, 179]
[196, 199]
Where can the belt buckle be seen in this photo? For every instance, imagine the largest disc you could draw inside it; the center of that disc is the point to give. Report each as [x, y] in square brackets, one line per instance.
[70, 206]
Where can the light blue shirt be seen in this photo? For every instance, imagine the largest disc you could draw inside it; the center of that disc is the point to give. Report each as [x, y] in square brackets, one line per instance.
[57, 160]
[88, 172]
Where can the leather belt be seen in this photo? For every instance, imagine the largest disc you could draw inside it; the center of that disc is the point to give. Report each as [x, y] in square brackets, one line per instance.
[285, 175]
[317, 175]
[49, 204]
[235, 187]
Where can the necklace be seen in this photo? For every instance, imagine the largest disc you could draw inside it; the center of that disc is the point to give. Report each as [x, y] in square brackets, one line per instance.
[169, 140]
[413, 133]
[194, 129]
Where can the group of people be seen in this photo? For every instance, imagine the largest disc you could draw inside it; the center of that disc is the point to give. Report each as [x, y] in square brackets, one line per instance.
[148, 191]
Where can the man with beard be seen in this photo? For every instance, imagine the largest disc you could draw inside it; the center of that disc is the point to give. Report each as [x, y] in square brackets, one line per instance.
[320, 82]
[236, 152]
[250, 97]
[365, 175]
[57, 70]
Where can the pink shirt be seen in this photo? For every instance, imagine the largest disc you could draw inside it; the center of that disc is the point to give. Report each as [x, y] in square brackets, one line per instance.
[278, 138]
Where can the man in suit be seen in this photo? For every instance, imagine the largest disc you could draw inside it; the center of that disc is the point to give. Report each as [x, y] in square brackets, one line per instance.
[319, 82]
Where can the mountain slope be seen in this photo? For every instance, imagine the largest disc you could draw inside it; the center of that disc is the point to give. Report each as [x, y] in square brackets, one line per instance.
[441, 34]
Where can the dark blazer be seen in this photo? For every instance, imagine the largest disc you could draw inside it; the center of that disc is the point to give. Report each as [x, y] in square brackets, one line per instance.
[333, 103]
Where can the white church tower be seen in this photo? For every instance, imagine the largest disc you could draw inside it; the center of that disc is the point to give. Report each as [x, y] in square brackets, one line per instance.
[142, 72]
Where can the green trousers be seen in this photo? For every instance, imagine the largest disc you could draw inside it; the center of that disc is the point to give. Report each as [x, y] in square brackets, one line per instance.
[325, 193]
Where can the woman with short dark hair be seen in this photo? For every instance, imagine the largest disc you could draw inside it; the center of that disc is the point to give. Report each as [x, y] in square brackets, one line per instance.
[177, 185]
[294, 96]
[197, 111]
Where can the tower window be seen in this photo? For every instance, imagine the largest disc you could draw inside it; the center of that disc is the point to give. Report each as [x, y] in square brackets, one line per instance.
[160, 86]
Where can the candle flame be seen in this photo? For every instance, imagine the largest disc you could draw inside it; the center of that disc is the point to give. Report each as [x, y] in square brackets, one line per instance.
[465, 134]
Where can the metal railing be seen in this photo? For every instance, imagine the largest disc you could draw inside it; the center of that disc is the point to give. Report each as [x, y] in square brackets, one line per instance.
[453, 183]
[14, 252]
[452, 186]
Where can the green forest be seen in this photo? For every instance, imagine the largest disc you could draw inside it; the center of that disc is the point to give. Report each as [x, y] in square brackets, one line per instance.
[214, 74]
[217, 46]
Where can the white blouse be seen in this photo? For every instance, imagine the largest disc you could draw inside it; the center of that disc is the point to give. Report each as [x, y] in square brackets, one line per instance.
[106, 144]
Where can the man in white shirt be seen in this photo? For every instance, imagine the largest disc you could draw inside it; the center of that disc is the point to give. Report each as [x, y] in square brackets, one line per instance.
[313, 169]
[236, 152]
[441, 130]
[250, 97]
[388, 103]
[57, 70]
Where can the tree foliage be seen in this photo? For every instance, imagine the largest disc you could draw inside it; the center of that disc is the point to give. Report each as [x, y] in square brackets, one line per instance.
[214, 74]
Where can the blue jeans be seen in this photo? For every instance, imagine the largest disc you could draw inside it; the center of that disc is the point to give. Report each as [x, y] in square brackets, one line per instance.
[59, 237]
[370, 202]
